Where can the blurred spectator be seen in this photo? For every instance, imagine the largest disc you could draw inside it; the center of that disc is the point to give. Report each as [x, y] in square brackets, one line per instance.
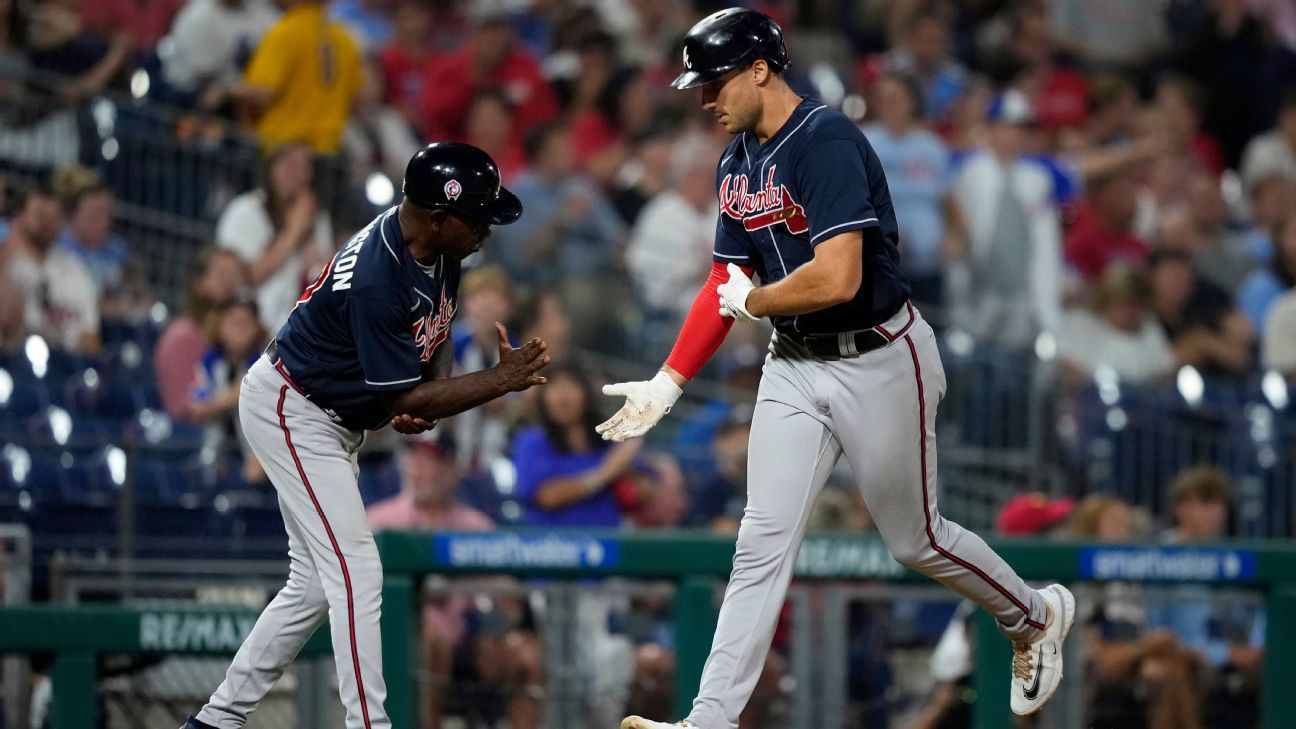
[88, 207]
[1103, 231]
[1271, 197]
[669, 255]
[1199, 502]
[646, 172]
[1119, 332]
[1012, 270]
[142, 24]
[210, 42]
[1238, 65]
[485, 297]
[1103, 518]
[919, 176]
[719, 502]
[546, 316]
[1222, 255]
[1205, 328]
[1139, 677]
[1113, 111]
[1229, 636]
[403, 58]
[491, 58]
[236, 337]
[218, 276]
[566, 474]
[922, 52]
[1108, 34]
[1265, 286]
[1033, 513]
[429, 479]
[489, 126]
[665, 498]
[59, 41]
[279, 230]
[301, 81]
[1278, 347]
[369, 22]
[377, 138]
[1275, 150]
[1176, 114]
[47, 291]
[462, 644]
[1059, 95]
[571, 240]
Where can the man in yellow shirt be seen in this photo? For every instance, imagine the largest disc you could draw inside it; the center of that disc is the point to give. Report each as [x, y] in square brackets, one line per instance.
[301, 80]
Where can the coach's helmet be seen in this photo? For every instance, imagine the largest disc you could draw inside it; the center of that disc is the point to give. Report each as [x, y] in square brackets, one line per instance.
[729, 39]
[460, 178]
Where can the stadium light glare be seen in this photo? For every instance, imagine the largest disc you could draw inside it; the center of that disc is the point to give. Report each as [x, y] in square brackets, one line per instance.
[37, 352]
[60, 423]
[1108, 383]
[139, 84]
[379, 189]
[116, 459]
[1274, 387]
[19, 462]
[1191, 385]
[6, 386]
[1045, 347]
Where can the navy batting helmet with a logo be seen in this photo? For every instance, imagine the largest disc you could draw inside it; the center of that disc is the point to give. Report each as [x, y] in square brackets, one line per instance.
[461, 178]
[730, 39]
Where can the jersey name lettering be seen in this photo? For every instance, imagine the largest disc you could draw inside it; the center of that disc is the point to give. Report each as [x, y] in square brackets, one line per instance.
[345, 261]
[757, 210]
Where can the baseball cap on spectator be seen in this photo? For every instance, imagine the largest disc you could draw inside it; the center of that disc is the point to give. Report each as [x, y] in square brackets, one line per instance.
[1032, 513]
[1011, 107]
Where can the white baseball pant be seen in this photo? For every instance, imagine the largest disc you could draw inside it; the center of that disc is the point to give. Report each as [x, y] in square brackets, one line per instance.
[879, 410]
[334, 570]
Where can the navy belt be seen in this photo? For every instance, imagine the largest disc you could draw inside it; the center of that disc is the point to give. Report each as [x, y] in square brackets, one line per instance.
[850, 344]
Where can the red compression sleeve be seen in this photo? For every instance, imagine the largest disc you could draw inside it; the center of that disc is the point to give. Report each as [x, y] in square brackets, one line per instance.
[704, 329]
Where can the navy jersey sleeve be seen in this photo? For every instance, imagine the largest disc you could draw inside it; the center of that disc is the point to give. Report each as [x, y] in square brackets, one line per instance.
[731, 246]
[388, 355]
[832, 183]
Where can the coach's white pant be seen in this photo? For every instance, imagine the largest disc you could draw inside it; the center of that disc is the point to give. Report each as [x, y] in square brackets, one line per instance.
[879, 410]
[334, 571]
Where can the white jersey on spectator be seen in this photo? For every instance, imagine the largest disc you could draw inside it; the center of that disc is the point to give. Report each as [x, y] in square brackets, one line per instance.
[245, 228]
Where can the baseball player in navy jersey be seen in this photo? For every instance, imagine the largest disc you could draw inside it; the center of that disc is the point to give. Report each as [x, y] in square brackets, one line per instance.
[366, 345]
[853, 369]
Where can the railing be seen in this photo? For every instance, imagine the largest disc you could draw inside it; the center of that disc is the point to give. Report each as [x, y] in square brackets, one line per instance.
[694, 562]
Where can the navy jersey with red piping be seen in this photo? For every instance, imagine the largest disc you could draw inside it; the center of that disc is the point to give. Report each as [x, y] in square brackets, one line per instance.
[368, 323]
[817, 177]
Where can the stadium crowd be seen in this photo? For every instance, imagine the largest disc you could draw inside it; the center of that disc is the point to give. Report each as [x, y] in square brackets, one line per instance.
[1109, 185]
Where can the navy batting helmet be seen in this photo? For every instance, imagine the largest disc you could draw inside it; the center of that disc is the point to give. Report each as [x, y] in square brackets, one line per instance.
[729, 39]
[461, 178]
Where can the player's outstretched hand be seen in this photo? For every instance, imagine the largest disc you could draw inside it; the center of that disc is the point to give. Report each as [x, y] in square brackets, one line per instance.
[410, 425]
[518, 366]
[646, 403]
[733, 295]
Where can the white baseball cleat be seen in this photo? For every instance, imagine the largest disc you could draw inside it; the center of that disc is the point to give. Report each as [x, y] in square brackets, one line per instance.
[638, 722]
[1037, 665]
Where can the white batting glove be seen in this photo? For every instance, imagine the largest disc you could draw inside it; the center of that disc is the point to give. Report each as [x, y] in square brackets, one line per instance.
[646, 403]
[733, 295]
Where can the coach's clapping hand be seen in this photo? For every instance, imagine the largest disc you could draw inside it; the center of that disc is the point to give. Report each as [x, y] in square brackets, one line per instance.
[410, 425]
[518, 366]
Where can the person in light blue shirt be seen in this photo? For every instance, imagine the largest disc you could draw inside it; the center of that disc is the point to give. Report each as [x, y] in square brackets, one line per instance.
[105, 254]
[917, 165]
[1262, 287]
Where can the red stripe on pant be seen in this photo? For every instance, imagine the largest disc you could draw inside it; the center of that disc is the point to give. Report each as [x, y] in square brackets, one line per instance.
[346, 575]
[931, 536]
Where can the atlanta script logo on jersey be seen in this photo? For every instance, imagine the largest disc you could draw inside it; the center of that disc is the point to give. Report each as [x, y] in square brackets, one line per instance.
[761, 209]
[430, 331]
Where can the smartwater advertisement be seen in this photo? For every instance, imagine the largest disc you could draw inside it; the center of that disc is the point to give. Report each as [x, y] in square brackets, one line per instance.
[518, 551]
[1169, 564]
